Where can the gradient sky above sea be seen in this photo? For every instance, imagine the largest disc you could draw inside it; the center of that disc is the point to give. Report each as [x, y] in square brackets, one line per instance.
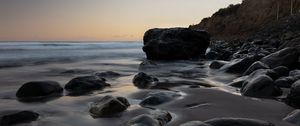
[98, 20]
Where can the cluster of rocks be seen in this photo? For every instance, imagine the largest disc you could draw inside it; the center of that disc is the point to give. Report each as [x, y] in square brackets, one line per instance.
[264, 76]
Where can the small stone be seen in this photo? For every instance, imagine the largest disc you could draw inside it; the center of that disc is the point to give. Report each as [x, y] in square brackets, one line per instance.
[143, 81]
[19, 117]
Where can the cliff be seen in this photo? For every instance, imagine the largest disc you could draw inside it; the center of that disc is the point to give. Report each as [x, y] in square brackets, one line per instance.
[247, 19]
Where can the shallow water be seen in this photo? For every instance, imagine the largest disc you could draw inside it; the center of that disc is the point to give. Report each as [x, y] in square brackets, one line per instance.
[60, 61]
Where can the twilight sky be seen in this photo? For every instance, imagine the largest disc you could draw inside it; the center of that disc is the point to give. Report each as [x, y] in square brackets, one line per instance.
[98, 20]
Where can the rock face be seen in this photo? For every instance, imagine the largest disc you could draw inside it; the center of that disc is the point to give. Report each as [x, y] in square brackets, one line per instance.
[260, 87]
[108, 106]
[142, 80]
[288, 57]
[293, 98]
[175, 43]
[243, 20]
[237, 122]
[217, 64]
[37, 90]
[85, 84]
[19, 117]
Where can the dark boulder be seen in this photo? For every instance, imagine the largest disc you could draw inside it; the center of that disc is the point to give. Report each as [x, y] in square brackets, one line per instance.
[288, 57]
[237, 122]
[255, 66]
[108, 106]
[85, 84]
[282, 71]
[142, 80]
[39, 90]
[240, 66]
[260, 87]
[175, 43]
[285, 82]
[18, 117]
[293, 98]
[217, 64]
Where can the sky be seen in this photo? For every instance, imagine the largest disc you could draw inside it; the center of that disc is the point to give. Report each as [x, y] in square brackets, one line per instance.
[98, 20]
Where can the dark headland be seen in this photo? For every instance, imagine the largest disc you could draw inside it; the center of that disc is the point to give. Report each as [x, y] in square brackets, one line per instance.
[248, 58]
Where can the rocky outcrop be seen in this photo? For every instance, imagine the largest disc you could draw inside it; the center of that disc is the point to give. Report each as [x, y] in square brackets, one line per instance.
[249, 17]
[175, 43]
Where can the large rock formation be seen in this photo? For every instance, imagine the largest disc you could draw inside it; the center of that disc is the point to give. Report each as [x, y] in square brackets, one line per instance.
[247, 18]
[175, 43]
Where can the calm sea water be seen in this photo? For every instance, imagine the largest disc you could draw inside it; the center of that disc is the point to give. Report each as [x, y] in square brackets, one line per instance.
[13, 54]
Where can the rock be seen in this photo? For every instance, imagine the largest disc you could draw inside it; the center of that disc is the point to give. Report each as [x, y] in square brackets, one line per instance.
[85, 84]
[162, 116]
[294, 73]
[108, 106]
[212, 55]
[143, 120]
[293, 118]
[282, 71]
[240, 66]
[269, 72]
[217, 64]
[39, 90]
[175, 43]
[156, 118]
[237, 84]
[285, 82]
[237, 122]
[255, 66]
[293, 98]
[158, 98]
[110, 74]
[195, 123]
[288, 57]
[19, 117]
[142, 80]
[260, 87]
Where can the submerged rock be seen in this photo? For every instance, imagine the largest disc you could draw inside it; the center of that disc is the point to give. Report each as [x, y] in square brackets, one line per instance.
[39, 90]
[142, 80]
[195, 123]
[175, 43]
[108, 106]
[19, 117]
[255, 66]
[158, 98]
[237, 122]
[293, 117]
[288, 57]
[260, 87]
[85, 84]
[156, 118]
[109, 74]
